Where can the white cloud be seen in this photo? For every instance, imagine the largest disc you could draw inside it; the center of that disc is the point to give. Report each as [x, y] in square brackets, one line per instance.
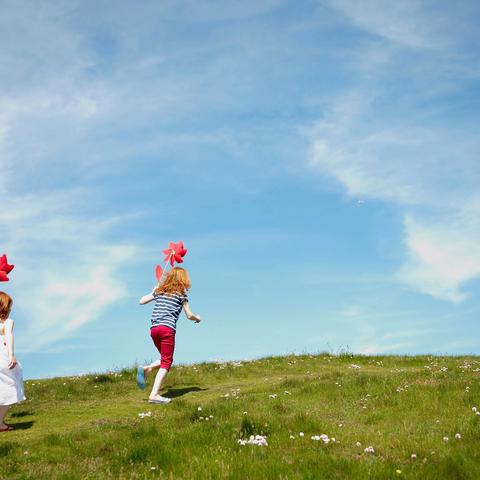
[392, 137]
[414, 169]
[443, 256]
[63, 301]
[67, 273]
[410, 22]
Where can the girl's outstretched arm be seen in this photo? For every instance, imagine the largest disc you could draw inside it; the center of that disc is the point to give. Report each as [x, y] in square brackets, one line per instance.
[148, 298]
[189, 314]
[12, 361]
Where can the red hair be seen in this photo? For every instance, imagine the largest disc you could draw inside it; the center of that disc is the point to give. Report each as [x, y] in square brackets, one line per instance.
[177, 281]
[6, 304]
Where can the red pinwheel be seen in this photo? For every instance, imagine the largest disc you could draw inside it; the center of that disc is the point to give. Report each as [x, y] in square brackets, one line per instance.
[174, 253]
[5, 268]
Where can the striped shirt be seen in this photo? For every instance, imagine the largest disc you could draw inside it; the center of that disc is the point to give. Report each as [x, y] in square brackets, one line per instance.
[167, 309]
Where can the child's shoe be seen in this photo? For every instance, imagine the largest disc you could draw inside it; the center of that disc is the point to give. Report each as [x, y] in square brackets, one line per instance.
[159, 399]
[141, 378]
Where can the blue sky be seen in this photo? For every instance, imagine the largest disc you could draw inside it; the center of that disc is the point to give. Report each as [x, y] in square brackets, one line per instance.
[319, 159]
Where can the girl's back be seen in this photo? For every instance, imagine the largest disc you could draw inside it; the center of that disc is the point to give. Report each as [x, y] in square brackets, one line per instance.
[167, 309]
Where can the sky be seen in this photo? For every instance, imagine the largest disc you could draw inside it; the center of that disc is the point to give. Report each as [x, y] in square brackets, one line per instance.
[318, 158]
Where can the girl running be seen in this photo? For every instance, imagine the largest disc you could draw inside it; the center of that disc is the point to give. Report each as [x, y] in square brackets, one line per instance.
[170, 298]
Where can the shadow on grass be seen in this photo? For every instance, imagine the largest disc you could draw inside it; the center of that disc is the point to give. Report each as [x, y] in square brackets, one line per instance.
[178, 392]
[22, 425]
[24, 413]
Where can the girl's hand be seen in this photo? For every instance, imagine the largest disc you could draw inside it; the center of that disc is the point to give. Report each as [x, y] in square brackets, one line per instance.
[12, 362]
[197, 319]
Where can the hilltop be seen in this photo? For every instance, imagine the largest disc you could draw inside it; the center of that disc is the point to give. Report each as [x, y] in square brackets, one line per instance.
[318, 416]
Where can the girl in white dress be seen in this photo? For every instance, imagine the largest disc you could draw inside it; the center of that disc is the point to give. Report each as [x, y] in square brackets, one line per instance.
[11, 378]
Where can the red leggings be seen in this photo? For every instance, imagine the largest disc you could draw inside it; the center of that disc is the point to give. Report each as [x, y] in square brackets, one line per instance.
[164, 339]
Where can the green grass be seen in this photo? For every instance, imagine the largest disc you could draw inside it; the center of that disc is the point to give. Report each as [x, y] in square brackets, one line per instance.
[88, 427]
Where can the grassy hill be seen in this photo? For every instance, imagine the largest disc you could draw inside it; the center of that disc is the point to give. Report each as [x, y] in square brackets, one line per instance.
[403, 407]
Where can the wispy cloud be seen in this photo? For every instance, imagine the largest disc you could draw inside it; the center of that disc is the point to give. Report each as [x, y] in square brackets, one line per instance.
[411, 23]
[68, 273]
[404, 152]
[442, 255]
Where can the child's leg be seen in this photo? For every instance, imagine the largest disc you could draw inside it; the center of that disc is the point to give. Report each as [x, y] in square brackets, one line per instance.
[166, 346]
[3, 412]
[162, 372]
[148, 368]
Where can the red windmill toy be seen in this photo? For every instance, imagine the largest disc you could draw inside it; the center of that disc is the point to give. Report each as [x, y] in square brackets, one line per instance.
[174, 253]
[5, 268]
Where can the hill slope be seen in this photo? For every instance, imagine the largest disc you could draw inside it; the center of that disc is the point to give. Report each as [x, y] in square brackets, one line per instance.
[89, 426]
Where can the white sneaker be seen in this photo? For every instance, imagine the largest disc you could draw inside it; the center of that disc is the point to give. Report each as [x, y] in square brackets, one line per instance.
[160, 399]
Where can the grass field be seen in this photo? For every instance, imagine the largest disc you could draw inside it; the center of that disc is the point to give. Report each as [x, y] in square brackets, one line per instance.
[89, 426]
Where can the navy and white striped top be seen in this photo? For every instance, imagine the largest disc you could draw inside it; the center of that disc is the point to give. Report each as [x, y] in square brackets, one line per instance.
[167, 309]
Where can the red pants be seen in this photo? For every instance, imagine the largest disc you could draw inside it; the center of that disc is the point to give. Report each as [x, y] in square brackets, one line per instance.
[164, 339]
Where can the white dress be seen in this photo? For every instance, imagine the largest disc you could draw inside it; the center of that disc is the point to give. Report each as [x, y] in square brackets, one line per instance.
[11, 380]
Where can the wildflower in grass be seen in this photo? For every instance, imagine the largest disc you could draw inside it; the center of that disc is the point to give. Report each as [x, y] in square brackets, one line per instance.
[353, 365]
[274, 395]
[399, 472]
[245, 413]
[199, 409]
[369, 449]
[474, 409]
[445, 439]
[292, 437]
[301, 434]
[322, 437]
[340, 425]
[413, 456]
[286, 392]
[145, 414]
[458, 436]
[358, 444]
[259, 440]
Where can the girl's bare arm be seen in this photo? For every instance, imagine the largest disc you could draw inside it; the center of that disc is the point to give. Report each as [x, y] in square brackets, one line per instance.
[9, 338]
[148, 298]
[190, 315]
